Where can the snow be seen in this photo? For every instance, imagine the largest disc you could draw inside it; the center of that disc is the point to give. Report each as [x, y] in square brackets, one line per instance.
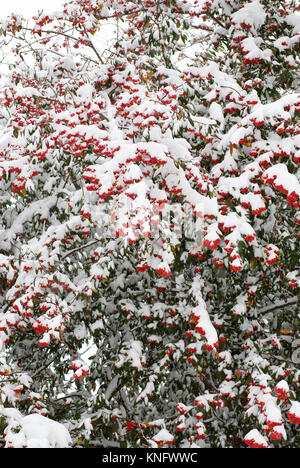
[34, 431]
[295, 410]
[256, 439]
[216, 113]
[163, 437]
[86, 91]
[294, 20]
[281, 177]
[252, 14]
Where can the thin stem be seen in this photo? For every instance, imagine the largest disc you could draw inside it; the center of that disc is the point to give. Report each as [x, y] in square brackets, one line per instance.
[71, 252]
[280, 305]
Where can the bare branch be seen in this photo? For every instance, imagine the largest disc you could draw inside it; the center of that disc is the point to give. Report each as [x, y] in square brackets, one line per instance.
[280, 305]
[71, 252]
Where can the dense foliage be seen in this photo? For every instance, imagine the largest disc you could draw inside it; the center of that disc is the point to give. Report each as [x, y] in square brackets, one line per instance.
[149, 238]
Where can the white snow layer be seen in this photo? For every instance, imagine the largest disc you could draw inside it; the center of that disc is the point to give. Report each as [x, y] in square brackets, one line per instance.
[34, 431]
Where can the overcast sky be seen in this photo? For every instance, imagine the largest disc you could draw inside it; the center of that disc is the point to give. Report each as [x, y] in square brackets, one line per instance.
[28, 7]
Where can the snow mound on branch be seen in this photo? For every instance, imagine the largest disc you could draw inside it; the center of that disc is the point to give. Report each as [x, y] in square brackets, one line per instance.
[255, 440]
[34, 431]
[163, 437]
[251, 14]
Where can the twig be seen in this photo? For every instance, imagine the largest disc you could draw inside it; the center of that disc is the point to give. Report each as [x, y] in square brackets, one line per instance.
[280, 305]
[91, 45]
[71, 252]
[207, 13]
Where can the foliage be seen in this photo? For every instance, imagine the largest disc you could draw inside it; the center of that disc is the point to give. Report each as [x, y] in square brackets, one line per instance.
[149, 241]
